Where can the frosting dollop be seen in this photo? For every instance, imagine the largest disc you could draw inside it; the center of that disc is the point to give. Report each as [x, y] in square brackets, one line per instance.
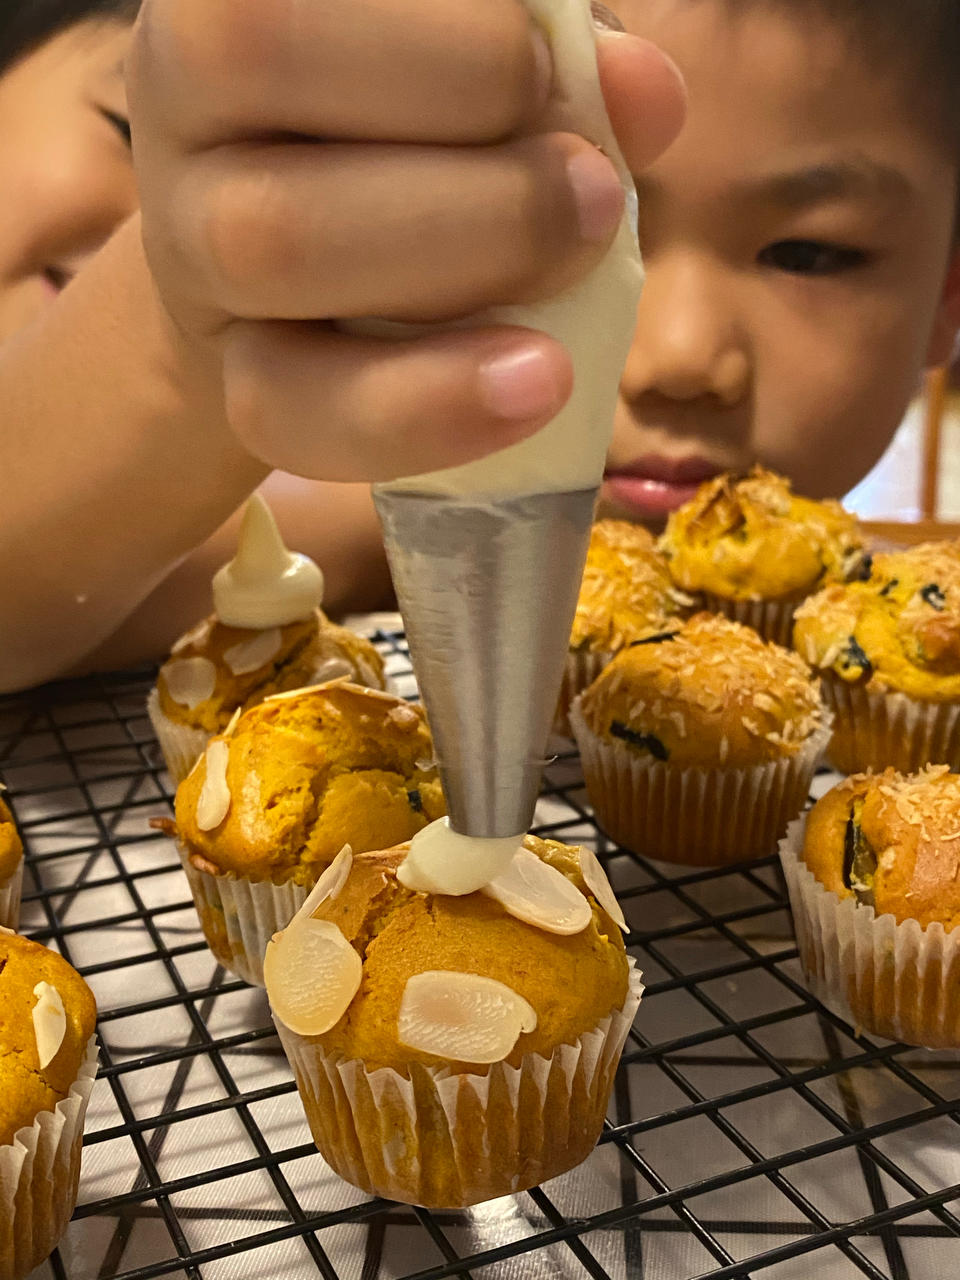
[442, 860]
[265, 585]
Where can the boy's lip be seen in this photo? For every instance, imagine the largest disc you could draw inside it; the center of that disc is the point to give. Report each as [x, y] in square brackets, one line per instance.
[653, 486]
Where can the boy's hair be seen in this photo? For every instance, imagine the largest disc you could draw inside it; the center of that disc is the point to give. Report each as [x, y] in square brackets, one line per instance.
[31, 22]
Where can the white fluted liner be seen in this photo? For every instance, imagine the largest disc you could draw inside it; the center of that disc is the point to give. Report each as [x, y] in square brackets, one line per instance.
[10, 889]
[580, 669]
[894, 980]
[444, 1139]
[179, 743]
[874, 729]
[240, 916]
[39, 1172]
[773, 619]
[694, 816]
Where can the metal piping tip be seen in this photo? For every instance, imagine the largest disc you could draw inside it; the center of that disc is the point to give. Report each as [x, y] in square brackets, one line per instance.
[488, 592]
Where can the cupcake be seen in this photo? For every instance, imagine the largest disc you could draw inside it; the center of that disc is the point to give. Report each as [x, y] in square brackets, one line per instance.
[450, 1049]
[11, 869]
[48, 1061]
[874, 882]
[274, 799]
[268, 634]
[699, 746]
[753, 550]
[888, 653]
[626, 594]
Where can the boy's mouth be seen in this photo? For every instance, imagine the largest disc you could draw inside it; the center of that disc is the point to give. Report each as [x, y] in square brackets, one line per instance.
[649, 488]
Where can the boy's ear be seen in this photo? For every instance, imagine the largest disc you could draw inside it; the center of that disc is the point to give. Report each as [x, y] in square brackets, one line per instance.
[946, 325]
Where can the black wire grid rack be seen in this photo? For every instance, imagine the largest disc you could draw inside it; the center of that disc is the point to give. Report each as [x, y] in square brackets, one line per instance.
[751, 1133]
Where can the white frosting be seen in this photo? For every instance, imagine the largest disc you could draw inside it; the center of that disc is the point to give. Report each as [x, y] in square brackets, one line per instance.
[596, 881]
[248, 655]
[265, 585]
[189, 681]
[311, 973]
[49, 1022]
[442, 860]
[213, 803]
[595, 319]
[538, 894]
[462, 1016]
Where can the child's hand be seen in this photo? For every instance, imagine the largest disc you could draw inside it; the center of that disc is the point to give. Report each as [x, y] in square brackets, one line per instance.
[303, 160]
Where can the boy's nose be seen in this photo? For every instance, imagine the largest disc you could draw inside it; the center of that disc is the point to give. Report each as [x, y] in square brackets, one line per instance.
[688, 342]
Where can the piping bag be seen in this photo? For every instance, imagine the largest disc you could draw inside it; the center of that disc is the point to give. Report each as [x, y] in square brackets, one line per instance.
[487, 557]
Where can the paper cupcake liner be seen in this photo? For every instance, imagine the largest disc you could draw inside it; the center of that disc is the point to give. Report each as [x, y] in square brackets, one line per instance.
[773, 619]
[874, 729]
[39, 1173]
[179, 743]
[893, 980]
[694, 816]
[446, 1140]
[239, 916]
[10, 889]
[580, 670]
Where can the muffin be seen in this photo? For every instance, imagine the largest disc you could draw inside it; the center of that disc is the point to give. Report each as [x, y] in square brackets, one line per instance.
[450, 1049]
[48, 1061]
[11, 869]
[268, 635]
[753, 550]
[873, 881]
[699, 746]
[274, 799]
[888, 652]
[626, 594]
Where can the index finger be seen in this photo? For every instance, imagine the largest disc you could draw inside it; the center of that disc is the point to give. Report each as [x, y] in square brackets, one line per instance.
[644, 94]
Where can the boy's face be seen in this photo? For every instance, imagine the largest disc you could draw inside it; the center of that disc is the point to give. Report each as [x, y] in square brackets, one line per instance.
[798, 245]
[65, 168]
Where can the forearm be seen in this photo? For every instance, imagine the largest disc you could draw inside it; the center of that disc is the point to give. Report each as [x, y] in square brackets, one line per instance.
[117, 462]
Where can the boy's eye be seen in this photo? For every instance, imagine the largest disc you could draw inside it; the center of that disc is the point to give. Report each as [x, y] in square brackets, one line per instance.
[810, 257]
[120, 123]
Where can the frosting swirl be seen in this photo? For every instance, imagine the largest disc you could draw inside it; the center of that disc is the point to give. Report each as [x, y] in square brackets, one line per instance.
[265, 585]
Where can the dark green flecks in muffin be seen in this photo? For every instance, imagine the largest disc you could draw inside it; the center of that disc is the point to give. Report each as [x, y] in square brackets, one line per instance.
[643, 741]
[859, 858]
[934, 597]
[853, 658]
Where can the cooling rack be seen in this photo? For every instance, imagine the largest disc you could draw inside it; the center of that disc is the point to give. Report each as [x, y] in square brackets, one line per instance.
[751, 1134]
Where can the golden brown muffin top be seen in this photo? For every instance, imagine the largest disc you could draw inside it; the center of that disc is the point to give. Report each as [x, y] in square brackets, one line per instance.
[711, 693]
[899, 630]
[307, 773]
[627, 591]
[235, 667]
[11, 850]
[572, 982]
[25, 1087]
[751, 538]
[892, 841]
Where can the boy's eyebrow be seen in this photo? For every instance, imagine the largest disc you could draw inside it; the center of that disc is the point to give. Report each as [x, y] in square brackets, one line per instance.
[857, 176]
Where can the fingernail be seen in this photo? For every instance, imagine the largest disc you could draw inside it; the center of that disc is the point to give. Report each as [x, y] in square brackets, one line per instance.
[597, 192]
[605, 18]
[519, 384]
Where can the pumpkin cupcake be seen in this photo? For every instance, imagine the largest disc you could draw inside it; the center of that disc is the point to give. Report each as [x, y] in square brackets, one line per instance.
[626, 594]
[48, 1061]
[11, 869]
[268, 634]
[753, 550]
[699, 746]
[888, 653]
[874, 881]
[453, 1048]
[273, 800]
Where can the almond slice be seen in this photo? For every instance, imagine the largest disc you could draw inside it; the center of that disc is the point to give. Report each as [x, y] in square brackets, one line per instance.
[213, 803]
[49, 1022]
[540, 895]
[189, 681]
[596, 881]
[311, 973]
[462, 1016]
[333, 669]
[330, 883]
[248, 655]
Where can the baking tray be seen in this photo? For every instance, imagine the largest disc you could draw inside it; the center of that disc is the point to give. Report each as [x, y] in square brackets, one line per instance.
[751, 1134]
